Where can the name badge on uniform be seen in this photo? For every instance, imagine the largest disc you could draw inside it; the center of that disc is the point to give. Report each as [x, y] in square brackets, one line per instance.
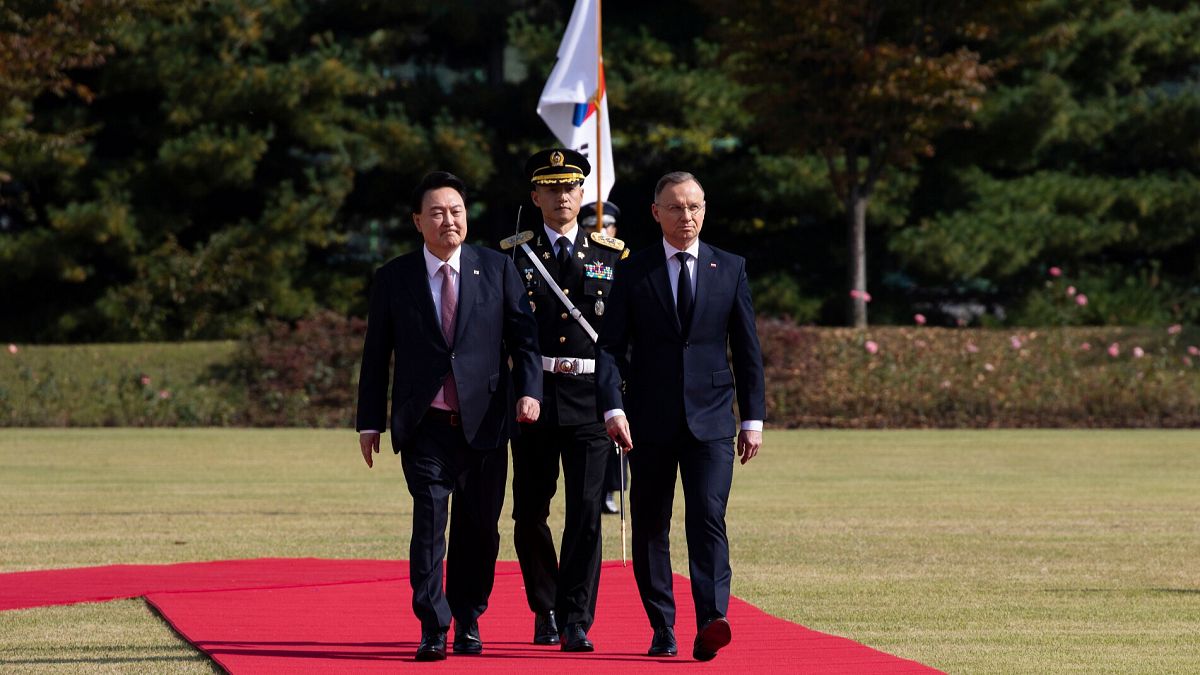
[598, 270]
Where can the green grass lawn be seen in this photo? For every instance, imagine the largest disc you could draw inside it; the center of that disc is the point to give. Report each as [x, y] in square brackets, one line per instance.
[972, 551]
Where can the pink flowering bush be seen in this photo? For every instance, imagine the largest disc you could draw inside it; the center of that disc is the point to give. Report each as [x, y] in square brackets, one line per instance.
[943, 377]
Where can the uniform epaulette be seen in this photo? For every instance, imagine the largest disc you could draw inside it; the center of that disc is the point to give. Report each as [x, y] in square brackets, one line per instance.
[611, 242]
[516, 240]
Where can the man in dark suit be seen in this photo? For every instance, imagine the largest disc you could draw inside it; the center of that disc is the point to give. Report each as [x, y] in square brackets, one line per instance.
[561, 254]
[673, 312]
[453, 315]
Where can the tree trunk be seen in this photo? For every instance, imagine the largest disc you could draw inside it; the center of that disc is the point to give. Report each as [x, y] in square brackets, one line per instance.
[856, 230]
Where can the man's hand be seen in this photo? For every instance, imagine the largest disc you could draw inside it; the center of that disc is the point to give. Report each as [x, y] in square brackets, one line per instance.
[618, 430]
[528, 409]
[369, 443]
[748, 444]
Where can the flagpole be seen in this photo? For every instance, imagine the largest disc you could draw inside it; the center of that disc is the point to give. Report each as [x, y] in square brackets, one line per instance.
[599, 95]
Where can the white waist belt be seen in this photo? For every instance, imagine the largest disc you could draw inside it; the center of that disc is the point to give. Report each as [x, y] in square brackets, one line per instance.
[568, 366]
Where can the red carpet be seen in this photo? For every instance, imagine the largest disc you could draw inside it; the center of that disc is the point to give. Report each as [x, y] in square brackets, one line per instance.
[115, 582]
[326, 616]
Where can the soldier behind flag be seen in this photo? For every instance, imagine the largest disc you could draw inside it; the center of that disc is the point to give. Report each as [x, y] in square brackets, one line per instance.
[568, 275]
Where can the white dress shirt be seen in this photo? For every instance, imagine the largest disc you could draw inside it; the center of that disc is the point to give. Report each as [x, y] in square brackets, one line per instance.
[673, 268]
[555, 236]
[432, 265]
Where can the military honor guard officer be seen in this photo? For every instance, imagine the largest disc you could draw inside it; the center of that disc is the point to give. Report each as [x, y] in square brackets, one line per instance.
[678, 313]
[568, 276]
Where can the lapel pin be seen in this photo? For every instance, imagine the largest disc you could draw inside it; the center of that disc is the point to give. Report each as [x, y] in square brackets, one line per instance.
[579, 255]
[712, 265]
[476, 272]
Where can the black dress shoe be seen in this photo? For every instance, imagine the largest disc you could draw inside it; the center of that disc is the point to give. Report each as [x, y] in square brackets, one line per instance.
[545, 629]
[574, 639]
[433, 645]
[466, 638]
[713, 635]
[663, 643]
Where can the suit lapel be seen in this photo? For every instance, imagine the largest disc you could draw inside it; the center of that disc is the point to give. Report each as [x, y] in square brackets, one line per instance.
[660, 281]
[416, 280]
[706, 280]
[468, 289]
[541, 247]
[580, 245]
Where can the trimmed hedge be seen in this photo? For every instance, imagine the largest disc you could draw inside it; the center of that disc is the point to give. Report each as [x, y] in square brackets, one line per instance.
[938, 377]
[104, 385]
[888, 377]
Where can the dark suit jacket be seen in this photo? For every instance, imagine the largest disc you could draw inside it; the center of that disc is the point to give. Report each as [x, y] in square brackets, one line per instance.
[671, 380]
[494, 322]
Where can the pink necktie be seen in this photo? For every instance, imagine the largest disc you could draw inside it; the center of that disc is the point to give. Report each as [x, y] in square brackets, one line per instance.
[449, 308]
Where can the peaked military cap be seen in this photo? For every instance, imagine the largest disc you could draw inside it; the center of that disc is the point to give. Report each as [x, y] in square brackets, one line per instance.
[587, 214]
[557, 166]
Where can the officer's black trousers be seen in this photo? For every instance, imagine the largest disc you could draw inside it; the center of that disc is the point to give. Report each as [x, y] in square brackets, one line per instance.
[569, 583]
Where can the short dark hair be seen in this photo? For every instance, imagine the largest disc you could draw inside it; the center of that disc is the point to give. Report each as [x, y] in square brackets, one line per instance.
[675, 178]
[435, 180]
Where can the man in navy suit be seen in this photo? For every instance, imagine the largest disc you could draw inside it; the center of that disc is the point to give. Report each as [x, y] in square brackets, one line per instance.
[453, 315]
[674, 310]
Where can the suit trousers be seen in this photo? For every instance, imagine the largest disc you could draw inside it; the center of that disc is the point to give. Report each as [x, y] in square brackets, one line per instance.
[706, 472]
[437, 464]
[568, 584]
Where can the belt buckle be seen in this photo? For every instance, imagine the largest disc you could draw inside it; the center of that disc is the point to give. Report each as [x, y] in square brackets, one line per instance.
[566, 366]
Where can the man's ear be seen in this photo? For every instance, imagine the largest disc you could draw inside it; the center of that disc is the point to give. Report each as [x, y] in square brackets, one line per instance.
[534, 196]
[416, 221]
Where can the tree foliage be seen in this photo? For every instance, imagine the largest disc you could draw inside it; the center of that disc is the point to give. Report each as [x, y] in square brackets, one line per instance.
[225, 141]
[865, 84]
[1086, 158]
[200, 168]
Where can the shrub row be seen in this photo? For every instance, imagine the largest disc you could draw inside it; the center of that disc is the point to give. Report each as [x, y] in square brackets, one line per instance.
[306, 375]
[936, 377]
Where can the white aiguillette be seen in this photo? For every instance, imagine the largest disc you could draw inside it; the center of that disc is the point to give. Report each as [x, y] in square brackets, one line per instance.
[522, 239]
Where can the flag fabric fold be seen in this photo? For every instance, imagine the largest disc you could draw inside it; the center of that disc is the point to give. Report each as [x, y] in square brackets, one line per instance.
[575, 96]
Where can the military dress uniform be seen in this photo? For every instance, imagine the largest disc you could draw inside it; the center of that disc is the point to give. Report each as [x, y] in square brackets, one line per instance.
[570, 429]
